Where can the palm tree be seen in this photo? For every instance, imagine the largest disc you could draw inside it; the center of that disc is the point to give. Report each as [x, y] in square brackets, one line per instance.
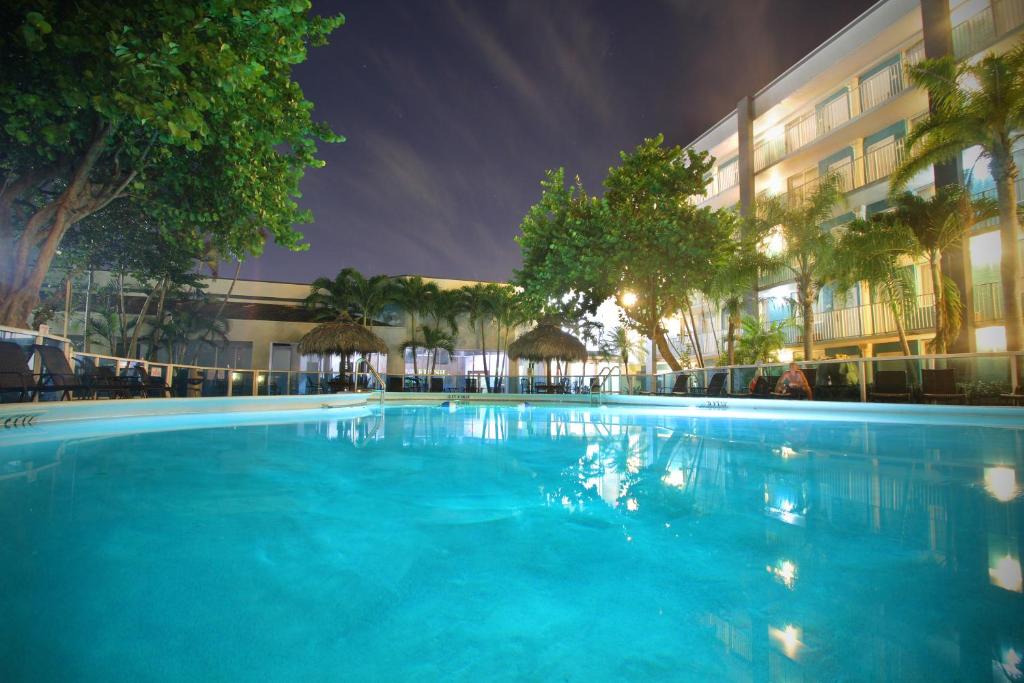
[330, 299]
[436, 339]
[807, 252]
[979, 104]
[445, 309]
[621, 344]
[413, 295]
[509, 314]
[872, 251]
[934, 225]
[480, 302]
[369, 296]
[759, 344]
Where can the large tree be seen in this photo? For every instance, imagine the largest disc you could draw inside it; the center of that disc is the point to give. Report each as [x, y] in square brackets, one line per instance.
[644, 236]
[977, 104]
[186, 107]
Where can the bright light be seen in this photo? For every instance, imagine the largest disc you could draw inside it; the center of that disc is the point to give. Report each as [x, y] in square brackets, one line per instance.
[1001, 483]
[986, 250]
[632, 504]
[628, 298]
[1006, 574]
[1010, 663]
[786, 452]
[788, 638]
[990, 339]
[675, 478]
[774, 243]
[784, 571]
[775, 185]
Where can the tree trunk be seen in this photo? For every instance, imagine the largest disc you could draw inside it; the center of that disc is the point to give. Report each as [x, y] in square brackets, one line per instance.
[483, 350]
[122, 313]
[939, 343]
[412, 338]
[88, 299]
[731, 341]
[808, 312]
[696, 338]
[897, 316]
[130, 352]
[663, 348]
[154, 339]
[1004, 174]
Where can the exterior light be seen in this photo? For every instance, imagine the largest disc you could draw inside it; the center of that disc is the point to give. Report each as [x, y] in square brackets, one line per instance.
[628, 299]
[1001, 483]
[788, 639]
[1006, 574]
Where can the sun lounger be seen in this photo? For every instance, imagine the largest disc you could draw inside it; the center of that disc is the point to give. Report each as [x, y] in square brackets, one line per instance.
[890, 385]
[939, 386]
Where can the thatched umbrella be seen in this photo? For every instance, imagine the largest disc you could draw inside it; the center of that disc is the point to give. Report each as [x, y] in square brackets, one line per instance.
[342, 337]
[547, 341]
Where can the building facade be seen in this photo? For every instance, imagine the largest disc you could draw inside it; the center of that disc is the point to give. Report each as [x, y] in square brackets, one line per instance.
[846, 109]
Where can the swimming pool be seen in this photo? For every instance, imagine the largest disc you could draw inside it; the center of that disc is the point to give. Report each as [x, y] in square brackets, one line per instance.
[505, 542]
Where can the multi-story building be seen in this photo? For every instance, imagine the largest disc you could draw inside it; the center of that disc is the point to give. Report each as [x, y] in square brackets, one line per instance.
[846, 109]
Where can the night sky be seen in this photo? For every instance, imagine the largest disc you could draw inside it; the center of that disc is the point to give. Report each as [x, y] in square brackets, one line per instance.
[453, 110]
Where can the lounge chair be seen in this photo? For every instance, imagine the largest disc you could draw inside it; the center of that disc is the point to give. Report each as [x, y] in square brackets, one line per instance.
[939, 386]
[1016, 395]
[148, 385]
[101, 379]
[890, 385]
[681, 387]
[16, 379]
[58, 374]
[716, 387]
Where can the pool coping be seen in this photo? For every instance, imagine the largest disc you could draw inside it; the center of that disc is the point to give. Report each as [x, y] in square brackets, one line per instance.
[20, 415]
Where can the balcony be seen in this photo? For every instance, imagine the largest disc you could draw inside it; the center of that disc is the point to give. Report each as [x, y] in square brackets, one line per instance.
[877, 164]
[724, 178]
[816, 122]
[996, 20]
[867, 320]
[984, 28]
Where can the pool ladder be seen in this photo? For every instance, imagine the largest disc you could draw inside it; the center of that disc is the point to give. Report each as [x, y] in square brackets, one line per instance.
[376, 376]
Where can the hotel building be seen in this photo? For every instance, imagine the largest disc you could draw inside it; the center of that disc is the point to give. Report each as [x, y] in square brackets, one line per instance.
[846, 109]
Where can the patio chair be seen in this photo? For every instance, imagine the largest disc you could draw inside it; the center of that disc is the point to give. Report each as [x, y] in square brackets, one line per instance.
[58, 374]
[16, 379]
[101, 379]
[890, 385]
[715, 387]
[148, 385]
[939, 386]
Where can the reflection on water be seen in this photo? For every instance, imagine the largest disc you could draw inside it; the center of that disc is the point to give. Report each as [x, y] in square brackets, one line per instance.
[751, 550]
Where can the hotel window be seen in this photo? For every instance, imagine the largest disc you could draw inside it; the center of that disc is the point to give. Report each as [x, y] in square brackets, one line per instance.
[880, 83]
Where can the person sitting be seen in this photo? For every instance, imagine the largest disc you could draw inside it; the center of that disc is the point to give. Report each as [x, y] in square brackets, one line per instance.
[794, 384]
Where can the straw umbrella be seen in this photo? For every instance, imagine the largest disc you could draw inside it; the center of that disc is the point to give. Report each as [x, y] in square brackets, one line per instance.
[547, 341]
[343, 337]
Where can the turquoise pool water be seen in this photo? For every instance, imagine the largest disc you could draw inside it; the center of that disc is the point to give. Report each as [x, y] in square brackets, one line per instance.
[504, 543]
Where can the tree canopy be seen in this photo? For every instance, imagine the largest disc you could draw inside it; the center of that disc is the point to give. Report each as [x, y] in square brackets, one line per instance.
[186, 108]
[644, 236]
